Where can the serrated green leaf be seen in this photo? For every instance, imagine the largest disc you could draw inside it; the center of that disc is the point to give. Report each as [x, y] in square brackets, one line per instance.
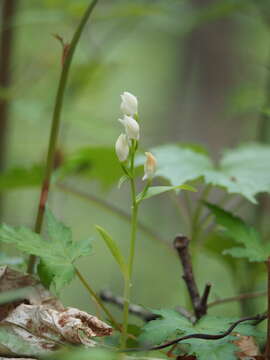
[114, 249]
[253, 248]
[172, 325]
[179, 164]
[239, 171]
[214, 350]
[58, 253]
[157, 190]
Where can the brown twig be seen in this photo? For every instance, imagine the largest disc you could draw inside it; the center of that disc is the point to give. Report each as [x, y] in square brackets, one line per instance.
[204, 298]
[267, 349]
[181, 244]
[257, 318]
[199, 304]
[137, 310]
[237, 298]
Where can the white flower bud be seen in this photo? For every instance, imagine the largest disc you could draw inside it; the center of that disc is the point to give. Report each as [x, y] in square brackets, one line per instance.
[149, 166]
[131, 126]
[122, 147]
[129, 104]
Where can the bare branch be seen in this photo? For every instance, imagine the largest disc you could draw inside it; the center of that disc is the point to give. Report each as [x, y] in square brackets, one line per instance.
[245, 296]
[181, 243]
[134, 309]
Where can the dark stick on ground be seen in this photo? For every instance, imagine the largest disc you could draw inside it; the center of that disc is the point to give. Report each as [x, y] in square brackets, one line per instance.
[256, 319]
[134, 309]
[181, 244]
[137, 310]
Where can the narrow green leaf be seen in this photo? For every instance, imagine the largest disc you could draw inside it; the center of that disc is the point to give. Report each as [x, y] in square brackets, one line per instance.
[157, 190]
[114, 249]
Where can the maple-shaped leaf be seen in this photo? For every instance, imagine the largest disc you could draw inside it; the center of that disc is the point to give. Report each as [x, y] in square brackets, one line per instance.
[238, 171]
[253, 248]
[58, 253]
[171, 325]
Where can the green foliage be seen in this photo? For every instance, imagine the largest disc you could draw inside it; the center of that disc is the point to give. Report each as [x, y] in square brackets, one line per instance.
[171, 325]
[58, 253]
[239, 171]
[253, 247]
[114, 249]
[21, 177]
[157, 190]
[99, 163]
[19, 345]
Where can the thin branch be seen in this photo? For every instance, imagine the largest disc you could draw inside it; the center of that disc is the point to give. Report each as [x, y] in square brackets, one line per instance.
[112, 209]
[204, 298]
[137, 310]
[142, 313]
[202, 336]
[245, 296]
[181, 245]
[56, 125]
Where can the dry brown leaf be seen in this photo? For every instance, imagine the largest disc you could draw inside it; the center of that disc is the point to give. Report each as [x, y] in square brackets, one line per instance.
[247, 346]
[41, 321]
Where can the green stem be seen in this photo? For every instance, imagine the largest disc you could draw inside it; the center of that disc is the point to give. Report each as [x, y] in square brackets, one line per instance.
[128, 278]
[97, 300]
[113, 210]
[197, 214]
[55, 126]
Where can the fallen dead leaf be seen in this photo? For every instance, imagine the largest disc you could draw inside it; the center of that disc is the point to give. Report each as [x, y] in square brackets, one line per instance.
[247, 346]
[39, 323]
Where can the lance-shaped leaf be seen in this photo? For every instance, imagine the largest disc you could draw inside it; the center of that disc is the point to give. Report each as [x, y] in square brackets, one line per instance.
[114, 249]
[157, 190]
[253, 248]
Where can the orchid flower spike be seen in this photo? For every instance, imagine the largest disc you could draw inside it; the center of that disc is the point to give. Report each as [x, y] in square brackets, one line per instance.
[129, 104]
[131, 126]
[149, 166]
[122, 147]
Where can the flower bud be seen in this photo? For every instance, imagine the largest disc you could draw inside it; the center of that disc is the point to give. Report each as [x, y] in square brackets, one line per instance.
[122, 147]
[129, 104]
[149, 166]
[131, 126]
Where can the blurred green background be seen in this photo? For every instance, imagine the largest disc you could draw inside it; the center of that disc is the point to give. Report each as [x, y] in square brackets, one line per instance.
[200, 72]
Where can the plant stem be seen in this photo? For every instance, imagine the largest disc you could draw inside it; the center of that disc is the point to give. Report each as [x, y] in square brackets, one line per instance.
[55, 126]
[245, 296]
[128, 278]
[114, 210]
[195, 226]
[267, 350]
[97, 300]
[9, 8]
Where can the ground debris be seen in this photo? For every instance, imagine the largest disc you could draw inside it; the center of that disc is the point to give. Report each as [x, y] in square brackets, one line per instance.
[37, 323]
